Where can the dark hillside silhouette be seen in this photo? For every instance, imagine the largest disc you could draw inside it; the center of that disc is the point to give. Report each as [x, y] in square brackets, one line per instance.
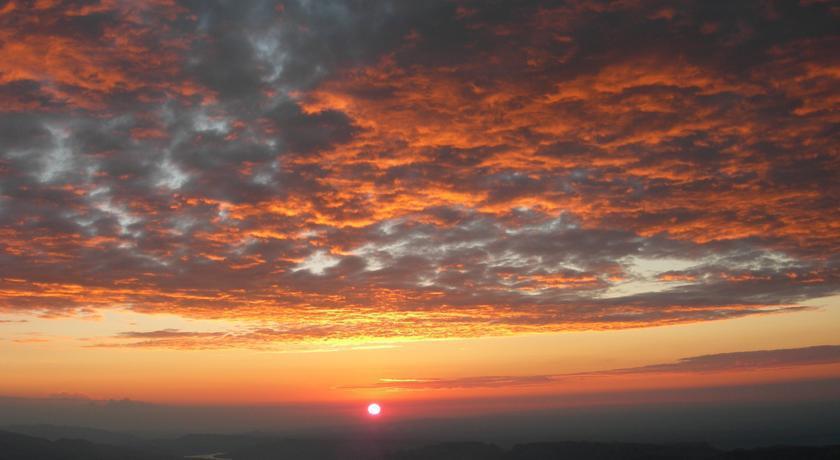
[15, 446]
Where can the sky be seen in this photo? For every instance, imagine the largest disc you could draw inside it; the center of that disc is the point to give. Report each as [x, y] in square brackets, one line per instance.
[454, 208]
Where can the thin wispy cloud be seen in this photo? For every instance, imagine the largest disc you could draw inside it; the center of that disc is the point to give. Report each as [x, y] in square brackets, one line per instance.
[722, 362]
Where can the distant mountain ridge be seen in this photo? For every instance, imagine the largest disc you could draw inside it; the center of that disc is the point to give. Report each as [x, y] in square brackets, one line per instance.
[608, 451]
[56, 432]
[17, 446]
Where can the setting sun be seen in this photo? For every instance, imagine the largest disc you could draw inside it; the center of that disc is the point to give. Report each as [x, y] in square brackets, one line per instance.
[374, 409]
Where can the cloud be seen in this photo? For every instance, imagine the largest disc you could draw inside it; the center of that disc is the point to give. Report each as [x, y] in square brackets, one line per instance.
[747, 360]
[722, 362]
[255, 338]
[64, 55]
[467, 170]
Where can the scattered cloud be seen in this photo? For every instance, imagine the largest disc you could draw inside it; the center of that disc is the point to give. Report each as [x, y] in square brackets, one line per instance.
[328, 171]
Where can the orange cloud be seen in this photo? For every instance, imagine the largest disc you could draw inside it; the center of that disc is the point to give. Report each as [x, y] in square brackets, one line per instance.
[276, 168]
[75, 59]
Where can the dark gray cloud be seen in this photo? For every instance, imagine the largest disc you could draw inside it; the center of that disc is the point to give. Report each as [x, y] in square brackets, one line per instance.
[497, 167]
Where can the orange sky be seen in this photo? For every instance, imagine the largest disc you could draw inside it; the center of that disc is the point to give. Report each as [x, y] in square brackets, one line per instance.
[59, 359]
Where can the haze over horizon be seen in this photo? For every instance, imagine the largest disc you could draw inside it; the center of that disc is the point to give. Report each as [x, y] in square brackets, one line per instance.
[570, 219]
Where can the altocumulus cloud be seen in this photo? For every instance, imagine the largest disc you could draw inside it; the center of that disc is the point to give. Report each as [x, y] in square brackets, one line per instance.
[331, 170]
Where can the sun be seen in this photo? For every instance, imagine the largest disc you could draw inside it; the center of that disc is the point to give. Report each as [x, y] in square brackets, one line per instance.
[374, 409]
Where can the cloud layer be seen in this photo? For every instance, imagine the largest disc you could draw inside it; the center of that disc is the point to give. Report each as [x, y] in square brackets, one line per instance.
[722, 362]
[336, 170]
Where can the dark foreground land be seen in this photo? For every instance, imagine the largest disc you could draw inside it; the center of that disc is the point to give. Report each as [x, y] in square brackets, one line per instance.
[102, 445]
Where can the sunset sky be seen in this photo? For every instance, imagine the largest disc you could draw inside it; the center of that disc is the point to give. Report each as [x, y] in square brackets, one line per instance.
[449, 207]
